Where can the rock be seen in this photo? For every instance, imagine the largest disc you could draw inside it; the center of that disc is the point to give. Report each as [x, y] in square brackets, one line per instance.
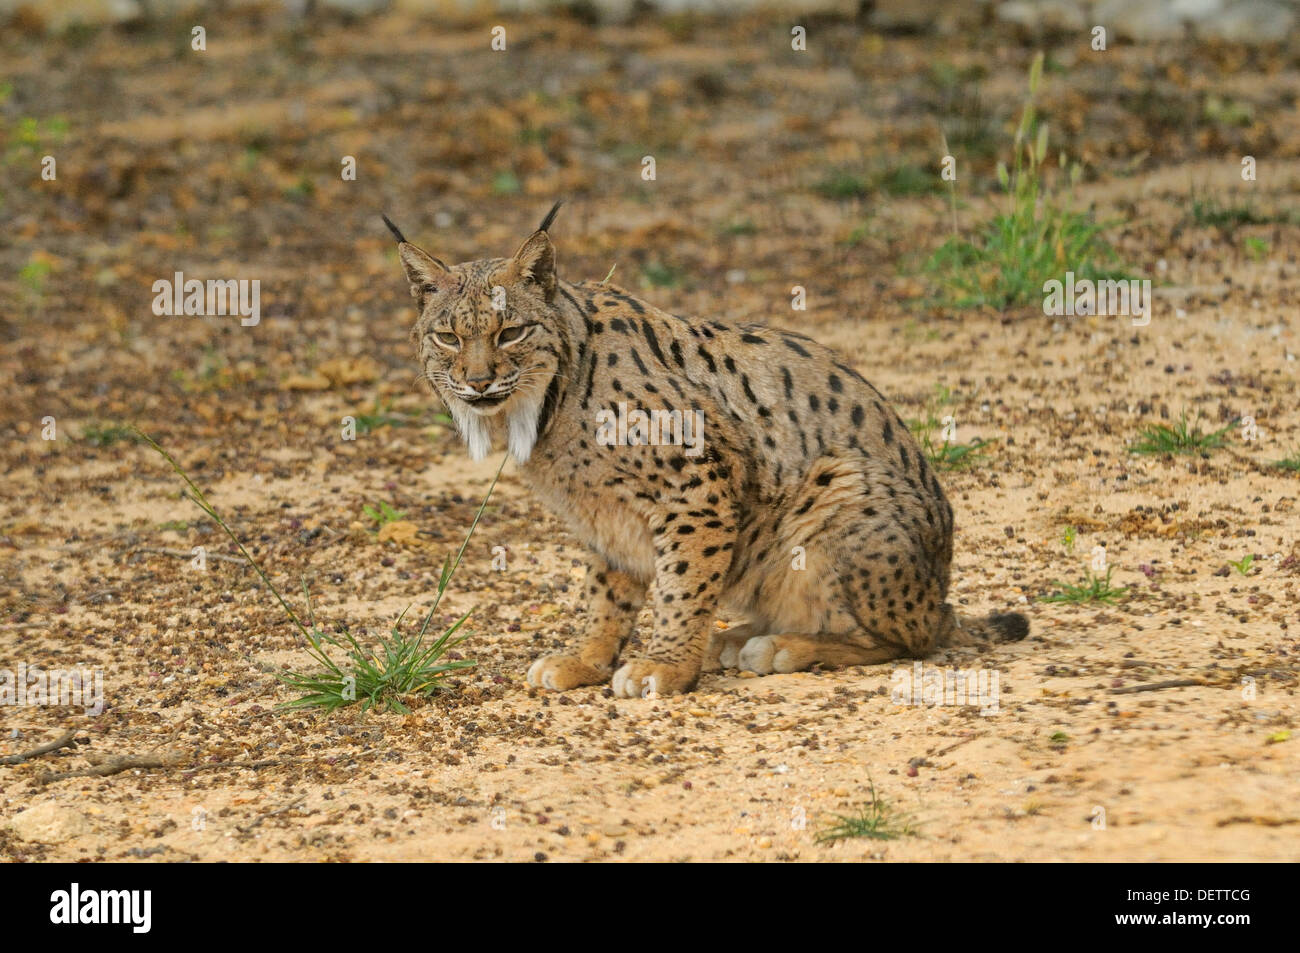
[1038, 15]
[343, 371]
[50, 823]
[401, 532]
[925, 16]
[1240, 21]
[1254, 21]
[313, 381]
[57, 17]
[358, 8]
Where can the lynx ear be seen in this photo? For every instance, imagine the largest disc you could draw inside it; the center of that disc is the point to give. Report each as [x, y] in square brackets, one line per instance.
[535, 263]
[424, 272]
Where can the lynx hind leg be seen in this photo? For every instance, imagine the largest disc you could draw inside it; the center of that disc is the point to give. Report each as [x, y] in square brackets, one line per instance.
[794, 652]
[725, 645]
[870, 592]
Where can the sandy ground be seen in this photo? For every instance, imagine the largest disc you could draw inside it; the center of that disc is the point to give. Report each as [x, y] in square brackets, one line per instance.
[1074, 765]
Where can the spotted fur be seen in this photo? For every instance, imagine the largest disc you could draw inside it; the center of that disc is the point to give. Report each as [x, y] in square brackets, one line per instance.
[808, 508]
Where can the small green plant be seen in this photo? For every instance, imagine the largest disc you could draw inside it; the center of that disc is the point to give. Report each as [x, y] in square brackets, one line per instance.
[742, 227]
[1094, 588]
[660, 275]
[212, 372]
[903, 179]
[843, 185]
[506, 183]
[1230, 112]
[105, 435]
[381, 416]
[1068, 537]
[301, 190]
[1291, 462]
[1209, 211]
[1058, 739]
[1243, 565]
[1182, 437]
[1256, 248]
[34, 274]
[383, 514]
[906, 179]
[1037, 238]
[942, 450]
[876, 819]
[952, 456]
[404, 667]
[30, 136]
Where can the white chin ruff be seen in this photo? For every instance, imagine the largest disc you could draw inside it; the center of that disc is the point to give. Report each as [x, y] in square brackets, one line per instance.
[520, 426]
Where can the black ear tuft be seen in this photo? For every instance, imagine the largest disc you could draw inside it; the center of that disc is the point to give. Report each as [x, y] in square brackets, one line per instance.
[550, 216]
[397, 232]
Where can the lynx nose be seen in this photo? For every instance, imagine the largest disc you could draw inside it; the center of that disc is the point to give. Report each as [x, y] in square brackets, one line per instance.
[479, 384]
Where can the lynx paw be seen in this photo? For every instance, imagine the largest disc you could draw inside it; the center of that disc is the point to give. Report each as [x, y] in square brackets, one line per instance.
[729, 656]
[766, 654]
[559, 673]
[639, 677]
[724, 647]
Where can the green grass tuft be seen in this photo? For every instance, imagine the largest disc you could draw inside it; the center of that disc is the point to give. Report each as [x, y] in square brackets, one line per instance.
[383, 416]
[1038, 238]
[383, 514]
[941, 452]
[1182, 437]
[659, 275]
[1227, 215]
[876, 819]
[1094, 588]
[1291, 462]
[104, 435]
[1243, 565]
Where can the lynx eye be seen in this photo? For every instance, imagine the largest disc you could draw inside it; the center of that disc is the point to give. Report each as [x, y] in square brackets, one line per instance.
[446, 339]
[513, 335]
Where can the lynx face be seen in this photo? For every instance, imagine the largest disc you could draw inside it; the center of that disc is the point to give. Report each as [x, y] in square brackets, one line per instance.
[488, 339]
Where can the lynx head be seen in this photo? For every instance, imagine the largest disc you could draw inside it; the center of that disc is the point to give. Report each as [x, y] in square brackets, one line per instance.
[488, 337]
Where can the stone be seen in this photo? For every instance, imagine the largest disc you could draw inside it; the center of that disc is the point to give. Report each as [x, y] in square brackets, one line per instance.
[50, 823]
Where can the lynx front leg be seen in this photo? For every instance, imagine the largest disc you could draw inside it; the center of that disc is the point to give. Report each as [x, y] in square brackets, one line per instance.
[693, 546]
[613, 598]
